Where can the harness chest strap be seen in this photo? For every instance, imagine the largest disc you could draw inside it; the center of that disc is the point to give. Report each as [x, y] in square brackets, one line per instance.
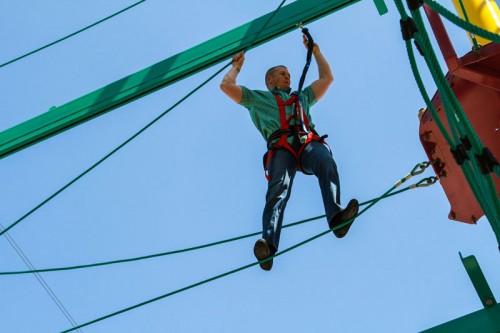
[285, 131]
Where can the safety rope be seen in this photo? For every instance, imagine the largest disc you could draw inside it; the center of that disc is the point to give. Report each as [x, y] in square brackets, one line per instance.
[472, 36]
[422, 183]
[70, 35]
[418, 169]
[74, 180]
[464, 136]
[482, 185]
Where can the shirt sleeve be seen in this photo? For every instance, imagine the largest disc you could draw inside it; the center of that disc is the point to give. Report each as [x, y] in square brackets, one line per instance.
[247, 98]
[308, 94]
[256, 99]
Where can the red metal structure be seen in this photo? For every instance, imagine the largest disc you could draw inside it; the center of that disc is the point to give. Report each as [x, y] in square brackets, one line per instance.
[475, 80]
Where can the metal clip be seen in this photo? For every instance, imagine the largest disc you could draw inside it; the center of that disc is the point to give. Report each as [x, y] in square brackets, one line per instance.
[415, 171]
[425, 182]
[422, 167]
[299, 25]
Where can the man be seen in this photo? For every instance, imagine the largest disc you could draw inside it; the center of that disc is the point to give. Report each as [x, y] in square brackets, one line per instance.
[292, 146]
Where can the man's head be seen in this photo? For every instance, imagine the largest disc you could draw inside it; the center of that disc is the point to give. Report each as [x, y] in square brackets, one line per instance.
[278, 77]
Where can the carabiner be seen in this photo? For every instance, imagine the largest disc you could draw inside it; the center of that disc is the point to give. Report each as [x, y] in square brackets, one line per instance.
[425, 182]
[415, 171]
[422, 166]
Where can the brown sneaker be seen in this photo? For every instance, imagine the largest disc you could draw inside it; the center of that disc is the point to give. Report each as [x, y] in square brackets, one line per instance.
[343, 216]
[262, 250]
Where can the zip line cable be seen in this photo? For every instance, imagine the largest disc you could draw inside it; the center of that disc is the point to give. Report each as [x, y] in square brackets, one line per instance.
[422, 167]
[41, 280]
[74, 180]
[71, 35]
[424, 182]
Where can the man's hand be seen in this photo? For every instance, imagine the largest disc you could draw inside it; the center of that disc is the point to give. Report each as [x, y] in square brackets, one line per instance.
[238, 60]
[306, 44]
[228, 84]
[325, 79]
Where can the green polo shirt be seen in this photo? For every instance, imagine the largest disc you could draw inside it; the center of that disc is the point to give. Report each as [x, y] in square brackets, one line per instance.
[264, 109]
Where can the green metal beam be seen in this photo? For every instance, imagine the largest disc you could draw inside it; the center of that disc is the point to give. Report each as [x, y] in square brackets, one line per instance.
[166, 72]
[486, 320]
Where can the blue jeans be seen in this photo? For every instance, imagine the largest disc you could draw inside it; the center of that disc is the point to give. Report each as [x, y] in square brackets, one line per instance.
[315, 159]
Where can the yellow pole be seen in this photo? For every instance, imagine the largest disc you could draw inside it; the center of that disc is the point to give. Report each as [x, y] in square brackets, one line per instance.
[483, 13]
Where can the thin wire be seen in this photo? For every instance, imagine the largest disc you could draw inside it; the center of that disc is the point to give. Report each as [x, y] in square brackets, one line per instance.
[41, 280]
[111, 153]
[232, 271]
[264, 25]
[199, 247]
[70, 35]
[133, 136]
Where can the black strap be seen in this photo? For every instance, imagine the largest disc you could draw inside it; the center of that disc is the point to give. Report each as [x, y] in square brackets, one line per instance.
[310, 47]
[276, 135]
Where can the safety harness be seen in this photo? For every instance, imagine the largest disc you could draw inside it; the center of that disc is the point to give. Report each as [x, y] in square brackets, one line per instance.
[300, 130]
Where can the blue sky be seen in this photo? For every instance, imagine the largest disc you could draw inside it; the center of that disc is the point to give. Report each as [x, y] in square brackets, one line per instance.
[196, 177]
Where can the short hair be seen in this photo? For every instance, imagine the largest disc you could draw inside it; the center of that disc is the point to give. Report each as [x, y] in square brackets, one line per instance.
[270, 71]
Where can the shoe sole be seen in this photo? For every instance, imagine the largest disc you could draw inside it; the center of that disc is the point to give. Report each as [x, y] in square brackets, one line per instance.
[350, 211]
[261, 251]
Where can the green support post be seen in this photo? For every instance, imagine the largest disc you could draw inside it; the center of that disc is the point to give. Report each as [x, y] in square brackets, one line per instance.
[478, 280]
[166, 72]
[486, 320]
[381, 6]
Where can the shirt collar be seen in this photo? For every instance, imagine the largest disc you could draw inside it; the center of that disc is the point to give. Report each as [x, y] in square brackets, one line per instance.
[276, 91]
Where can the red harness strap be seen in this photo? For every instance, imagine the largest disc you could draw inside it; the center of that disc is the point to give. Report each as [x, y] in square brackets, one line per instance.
[285, 132]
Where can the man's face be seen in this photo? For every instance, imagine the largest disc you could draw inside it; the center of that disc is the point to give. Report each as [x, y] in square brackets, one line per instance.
[279, 78]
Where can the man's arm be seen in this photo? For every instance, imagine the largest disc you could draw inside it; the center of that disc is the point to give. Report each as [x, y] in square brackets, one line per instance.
[320, 86]
[228, 84]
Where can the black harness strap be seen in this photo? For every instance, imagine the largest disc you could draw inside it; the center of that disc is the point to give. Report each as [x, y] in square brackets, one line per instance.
[297, 114]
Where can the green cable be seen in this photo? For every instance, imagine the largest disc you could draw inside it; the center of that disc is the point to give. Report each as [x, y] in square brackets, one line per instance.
[401, 10]
[428, 180]
[423, 92]
[482, 187]
[449, 99]
[74, 180]
[70, 35]
[421, 36]
[232, 271]
[371, 204]
[445, 101]
[135, 135]
[420, 84]
[473, 37]
[461, 23]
